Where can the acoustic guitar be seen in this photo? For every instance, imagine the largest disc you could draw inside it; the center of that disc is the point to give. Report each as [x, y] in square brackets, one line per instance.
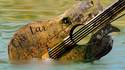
[50, 39]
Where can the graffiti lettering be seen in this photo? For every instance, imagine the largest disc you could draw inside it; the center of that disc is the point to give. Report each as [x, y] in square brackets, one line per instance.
[34, 30]
[19, 41]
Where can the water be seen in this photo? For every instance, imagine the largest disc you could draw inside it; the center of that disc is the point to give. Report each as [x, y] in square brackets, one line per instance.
[16, 13]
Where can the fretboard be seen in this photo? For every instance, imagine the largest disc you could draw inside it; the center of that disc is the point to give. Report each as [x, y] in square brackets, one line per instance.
[96, 23]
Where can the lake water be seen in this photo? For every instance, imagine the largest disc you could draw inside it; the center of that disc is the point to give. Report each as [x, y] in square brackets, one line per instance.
[16, 13]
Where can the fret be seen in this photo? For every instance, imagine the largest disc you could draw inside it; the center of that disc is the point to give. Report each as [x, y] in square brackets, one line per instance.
[98, 22]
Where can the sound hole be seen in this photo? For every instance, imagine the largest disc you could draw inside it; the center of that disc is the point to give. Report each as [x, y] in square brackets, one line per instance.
[84, 40]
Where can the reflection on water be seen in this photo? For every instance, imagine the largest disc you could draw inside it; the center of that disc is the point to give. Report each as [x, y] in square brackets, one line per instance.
[16, 13]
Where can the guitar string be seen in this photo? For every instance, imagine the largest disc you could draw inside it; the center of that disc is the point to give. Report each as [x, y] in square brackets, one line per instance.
[76, 33]
[88, 33]
[85, 26]
[57, 54]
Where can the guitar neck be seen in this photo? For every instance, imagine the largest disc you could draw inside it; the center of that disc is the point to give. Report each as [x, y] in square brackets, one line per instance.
[100, 20]
[96, 23]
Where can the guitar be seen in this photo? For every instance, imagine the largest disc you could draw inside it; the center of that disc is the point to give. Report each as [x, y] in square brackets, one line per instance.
[36, 38]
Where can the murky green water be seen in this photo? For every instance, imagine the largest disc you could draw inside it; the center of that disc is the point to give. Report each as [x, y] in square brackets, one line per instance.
[16, 13]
